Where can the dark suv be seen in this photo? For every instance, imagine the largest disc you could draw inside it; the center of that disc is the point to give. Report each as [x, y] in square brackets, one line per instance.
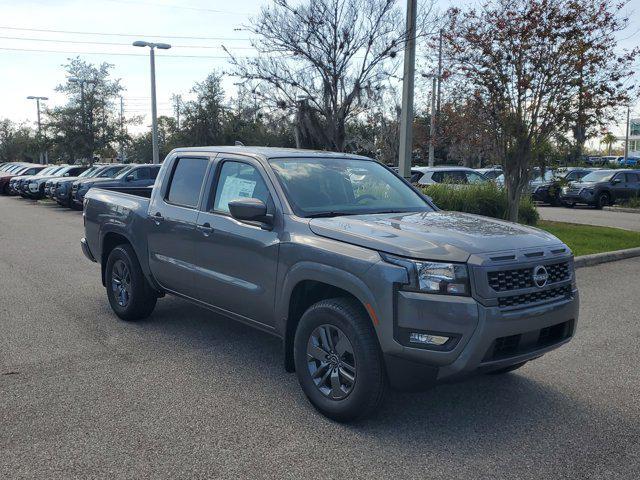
[602, 188]
[549, 192]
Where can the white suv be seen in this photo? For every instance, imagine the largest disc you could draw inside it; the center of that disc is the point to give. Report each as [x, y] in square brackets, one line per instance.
[458, 175]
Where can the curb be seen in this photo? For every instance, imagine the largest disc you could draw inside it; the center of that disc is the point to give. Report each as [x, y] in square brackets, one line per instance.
[598, 258]
[622, 209]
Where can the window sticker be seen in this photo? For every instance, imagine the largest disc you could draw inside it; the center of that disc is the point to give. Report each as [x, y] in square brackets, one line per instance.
[233, 189]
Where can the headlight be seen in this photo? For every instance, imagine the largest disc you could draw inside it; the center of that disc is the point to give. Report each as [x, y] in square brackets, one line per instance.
[434, 277]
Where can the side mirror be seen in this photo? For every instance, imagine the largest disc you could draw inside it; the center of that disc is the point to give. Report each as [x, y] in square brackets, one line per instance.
[66, 175]
[250, 210]
[615, 181]
[129, 178]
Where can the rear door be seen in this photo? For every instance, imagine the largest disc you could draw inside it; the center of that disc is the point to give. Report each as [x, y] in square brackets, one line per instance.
[173, 239]
[237, 261]
[633, 183]
[619, 188]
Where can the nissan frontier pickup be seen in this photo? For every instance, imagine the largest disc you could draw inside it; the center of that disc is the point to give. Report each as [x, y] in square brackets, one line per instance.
[367, 283]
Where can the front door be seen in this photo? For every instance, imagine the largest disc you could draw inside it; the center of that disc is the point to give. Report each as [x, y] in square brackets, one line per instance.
[237, 260]
[173, 238]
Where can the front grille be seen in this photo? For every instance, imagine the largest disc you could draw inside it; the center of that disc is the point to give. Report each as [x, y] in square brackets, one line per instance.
[513, 345]
[573, 191]
[506, 280]
[535, 297]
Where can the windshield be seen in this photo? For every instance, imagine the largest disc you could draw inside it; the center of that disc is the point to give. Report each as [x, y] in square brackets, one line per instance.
[601, 176]
[88, 172]
[548, 176]
[339, 186]
[109, 172]
[124, 172]
[46, 171]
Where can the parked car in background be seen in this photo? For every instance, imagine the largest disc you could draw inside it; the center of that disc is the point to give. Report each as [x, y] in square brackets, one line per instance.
[133, 176]
[23, 170]
[15, 185]
[549, 191]
[602, 187]
[59, 189]
[490, 173]
[629, 161]
[35, 188]
[366, 283]
[453, 175]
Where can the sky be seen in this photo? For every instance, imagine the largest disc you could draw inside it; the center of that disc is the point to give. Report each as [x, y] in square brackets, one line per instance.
[28, 25]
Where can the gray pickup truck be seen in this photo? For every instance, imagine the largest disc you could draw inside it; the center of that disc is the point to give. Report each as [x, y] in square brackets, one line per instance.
[366, 282]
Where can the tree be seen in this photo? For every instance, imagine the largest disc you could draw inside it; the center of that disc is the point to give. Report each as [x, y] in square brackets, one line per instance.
[17, 142]
[324, 60]
[87, 124]
[524, 58]
[203, 118]
[609, 139]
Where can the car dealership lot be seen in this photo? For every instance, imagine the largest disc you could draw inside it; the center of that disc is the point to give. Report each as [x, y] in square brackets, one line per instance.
[187, 393]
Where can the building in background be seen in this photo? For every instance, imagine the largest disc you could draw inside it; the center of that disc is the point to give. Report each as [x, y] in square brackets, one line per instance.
[634, 137]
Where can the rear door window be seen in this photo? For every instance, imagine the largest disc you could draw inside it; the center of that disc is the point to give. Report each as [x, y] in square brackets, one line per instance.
[186, 181]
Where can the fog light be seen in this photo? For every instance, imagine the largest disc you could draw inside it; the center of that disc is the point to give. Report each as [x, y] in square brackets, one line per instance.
[426, 339]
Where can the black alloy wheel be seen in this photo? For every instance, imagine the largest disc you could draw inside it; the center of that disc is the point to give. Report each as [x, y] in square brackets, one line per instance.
[331, 362]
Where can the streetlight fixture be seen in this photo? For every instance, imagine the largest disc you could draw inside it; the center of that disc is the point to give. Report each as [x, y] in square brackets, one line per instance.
[37, 99]
[154, 111]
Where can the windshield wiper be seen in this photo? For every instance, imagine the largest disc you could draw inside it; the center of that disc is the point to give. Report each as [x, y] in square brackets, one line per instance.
[330, 214]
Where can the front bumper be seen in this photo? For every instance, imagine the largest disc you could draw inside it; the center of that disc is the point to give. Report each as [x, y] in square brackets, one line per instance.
[487, 338]
[578, 197]
[503, 324]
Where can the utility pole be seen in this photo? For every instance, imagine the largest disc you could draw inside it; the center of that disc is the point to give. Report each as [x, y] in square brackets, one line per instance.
[439, 73]
[81, 82]
[406, 118]
[43, 156]
[121, 129]
[177, 104]
[626, 136]
[432, 128]
[154, 110]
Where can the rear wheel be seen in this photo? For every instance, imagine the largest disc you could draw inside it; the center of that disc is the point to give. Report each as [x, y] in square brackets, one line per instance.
[130, 295]
[338, 361]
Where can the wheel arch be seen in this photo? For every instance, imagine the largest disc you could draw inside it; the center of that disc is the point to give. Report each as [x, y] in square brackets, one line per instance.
[309, 284]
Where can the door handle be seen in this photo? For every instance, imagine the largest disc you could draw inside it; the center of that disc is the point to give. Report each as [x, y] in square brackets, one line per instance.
[206, 229]
[158, 218]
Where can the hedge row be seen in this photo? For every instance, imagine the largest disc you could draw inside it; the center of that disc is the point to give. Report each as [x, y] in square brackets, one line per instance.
[487, 199]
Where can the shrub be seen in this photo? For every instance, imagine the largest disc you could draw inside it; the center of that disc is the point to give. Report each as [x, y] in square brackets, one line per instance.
[486, 199]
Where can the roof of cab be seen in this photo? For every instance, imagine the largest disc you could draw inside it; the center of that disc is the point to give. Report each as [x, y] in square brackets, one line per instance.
[270, 152]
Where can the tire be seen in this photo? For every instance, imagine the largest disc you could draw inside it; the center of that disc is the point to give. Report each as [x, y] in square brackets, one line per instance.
[130, 295]
[604, 199]
[359, 358]
[569, 205]
[508, 369]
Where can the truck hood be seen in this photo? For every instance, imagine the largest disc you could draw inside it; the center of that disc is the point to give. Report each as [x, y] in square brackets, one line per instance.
[445, 236]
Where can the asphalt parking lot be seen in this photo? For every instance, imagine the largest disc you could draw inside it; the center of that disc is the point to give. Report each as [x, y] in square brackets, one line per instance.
[591, 216]
[189, 394]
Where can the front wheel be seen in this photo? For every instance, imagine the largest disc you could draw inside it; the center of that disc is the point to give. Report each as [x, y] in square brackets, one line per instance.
[603, 200]
[130, 295]
[338, 360]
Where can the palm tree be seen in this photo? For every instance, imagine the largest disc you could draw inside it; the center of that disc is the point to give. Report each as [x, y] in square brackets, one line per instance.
[609, 139]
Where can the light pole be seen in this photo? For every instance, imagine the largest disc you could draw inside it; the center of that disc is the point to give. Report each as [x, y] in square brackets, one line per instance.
[82, 82]
[406, 119]
[37, 99]
[154, 113]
